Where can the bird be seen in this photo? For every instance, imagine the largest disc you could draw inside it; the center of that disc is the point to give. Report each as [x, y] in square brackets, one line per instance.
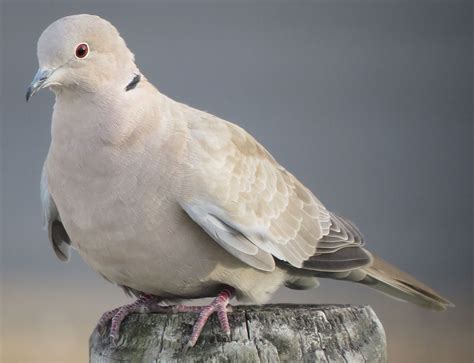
[172, 203]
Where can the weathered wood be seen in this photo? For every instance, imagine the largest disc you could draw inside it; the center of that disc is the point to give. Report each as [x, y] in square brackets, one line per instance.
[269, 333]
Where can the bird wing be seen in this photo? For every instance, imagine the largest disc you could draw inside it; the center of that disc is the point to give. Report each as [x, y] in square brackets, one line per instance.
[52, 222]
[252, 206]
[341, 249]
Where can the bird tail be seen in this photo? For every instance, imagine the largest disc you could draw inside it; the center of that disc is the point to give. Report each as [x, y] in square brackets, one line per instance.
[388, 279]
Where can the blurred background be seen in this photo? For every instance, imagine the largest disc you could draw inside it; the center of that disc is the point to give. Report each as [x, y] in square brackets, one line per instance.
[369, 103]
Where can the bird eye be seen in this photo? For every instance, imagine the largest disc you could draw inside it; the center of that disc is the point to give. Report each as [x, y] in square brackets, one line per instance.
[82, 50]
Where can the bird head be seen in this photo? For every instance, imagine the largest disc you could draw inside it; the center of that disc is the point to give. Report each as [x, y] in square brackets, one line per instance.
[82, 52]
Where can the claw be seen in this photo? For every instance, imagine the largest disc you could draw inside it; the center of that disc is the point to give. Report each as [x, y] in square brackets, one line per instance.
[220, 305]
[105, 318]
[150, 303]
[146, 303]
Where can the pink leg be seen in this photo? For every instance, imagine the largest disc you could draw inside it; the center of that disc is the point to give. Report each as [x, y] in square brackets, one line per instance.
[219, 305]
[144, 304]
[150, 304]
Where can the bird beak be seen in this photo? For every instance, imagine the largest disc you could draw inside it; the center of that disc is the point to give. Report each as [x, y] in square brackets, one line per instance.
[38, 82]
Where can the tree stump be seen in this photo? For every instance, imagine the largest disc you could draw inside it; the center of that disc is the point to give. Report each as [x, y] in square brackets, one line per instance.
[268, 333]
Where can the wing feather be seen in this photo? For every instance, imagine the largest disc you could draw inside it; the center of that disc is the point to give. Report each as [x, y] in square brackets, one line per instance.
[52, 222]
[252, 206]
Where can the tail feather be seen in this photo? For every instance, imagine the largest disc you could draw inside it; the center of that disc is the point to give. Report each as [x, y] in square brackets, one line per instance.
[388, 279]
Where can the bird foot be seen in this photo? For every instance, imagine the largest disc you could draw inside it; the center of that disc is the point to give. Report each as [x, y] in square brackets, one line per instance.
[151, 304]
[220, 305]
[144, 304]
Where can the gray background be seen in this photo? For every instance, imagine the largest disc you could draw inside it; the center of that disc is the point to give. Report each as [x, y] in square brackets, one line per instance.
[368, 103]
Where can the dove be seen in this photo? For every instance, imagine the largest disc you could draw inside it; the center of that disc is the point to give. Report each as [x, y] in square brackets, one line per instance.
[172, 203]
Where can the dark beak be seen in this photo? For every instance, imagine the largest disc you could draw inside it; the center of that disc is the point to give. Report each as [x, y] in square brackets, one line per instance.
[38, 82]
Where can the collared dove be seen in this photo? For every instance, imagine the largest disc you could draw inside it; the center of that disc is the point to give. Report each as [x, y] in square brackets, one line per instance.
[172, 203]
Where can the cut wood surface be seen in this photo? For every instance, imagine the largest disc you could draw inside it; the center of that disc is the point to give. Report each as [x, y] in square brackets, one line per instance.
[268, 333]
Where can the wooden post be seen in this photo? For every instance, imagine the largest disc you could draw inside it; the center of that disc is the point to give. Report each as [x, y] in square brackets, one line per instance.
[268, 333]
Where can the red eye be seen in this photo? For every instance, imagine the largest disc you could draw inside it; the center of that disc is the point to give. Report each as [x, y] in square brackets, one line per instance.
[82, 50]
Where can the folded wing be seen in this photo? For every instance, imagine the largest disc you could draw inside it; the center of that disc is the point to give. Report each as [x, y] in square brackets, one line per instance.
[257, 210]
[52, 222]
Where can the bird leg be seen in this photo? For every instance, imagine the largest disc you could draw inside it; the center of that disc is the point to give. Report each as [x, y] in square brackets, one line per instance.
[219, 305]
[151, 304]
[144, 304]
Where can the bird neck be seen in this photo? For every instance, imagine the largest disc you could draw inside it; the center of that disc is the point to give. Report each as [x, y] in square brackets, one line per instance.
[114, 113]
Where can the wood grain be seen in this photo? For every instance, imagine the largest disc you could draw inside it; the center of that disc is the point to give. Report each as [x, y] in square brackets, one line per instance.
[268, 333]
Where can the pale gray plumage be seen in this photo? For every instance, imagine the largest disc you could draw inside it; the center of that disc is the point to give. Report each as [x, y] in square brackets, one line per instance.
[168, 200]
[52, 223]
